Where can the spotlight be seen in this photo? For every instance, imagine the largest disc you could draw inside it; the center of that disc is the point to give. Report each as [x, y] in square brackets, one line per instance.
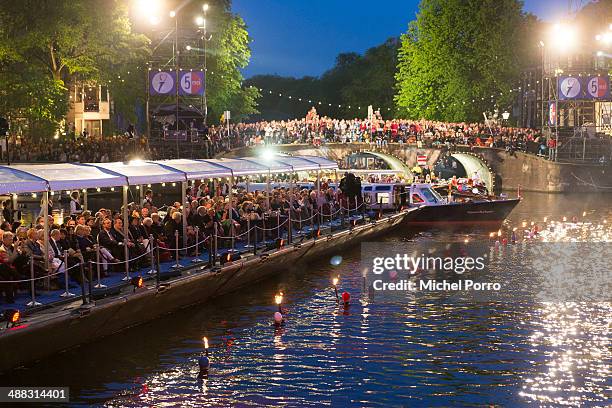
[136, 282]
[11, 316]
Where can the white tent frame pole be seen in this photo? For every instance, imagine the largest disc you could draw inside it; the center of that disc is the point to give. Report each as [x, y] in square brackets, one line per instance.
[126, 250]
[46, 227]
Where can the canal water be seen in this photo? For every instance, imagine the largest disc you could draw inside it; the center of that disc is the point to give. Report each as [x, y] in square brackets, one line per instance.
[380, 351]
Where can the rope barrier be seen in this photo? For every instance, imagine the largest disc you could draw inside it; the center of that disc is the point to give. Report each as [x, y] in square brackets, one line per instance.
[149, 247]
[41, 277]
[273, 228]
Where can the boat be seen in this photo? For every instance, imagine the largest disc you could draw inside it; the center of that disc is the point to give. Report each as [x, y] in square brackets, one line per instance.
[459, 207]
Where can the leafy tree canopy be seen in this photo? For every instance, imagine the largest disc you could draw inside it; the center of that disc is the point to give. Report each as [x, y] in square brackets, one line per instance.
[459, 58]
[354, 81]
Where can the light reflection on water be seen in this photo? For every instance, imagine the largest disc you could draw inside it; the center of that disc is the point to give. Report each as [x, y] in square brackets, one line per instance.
[377, 352]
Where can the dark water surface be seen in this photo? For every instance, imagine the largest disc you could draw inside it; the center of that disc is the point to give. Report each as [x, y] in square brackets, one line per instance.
[378, 352]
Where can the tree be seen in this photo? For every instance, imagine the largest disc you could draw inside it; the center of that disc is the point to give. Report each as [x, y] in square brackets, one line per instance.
[227, 52]
[460, 58]
[46, 44]
[354, 81]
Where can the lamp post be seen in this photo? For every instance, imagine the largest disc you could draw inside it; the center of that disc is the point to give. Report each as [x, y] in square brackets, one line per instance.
[201, 22]
[541, 44]
[175, 54]
[204, 97]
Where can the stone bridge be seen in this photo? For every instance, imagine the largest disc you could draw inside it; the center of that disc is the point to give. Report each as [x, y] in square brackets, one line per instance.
[498, 168]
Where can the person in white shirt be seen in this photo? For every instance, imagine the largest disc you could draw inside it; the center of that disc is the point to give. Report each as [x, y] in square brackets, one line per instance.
[75, 205]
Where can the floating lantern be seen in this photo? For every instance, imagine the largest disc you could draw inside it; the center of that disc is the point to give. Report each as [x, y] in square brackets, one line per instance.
[278, 299]
[204, 361]
[335, 283]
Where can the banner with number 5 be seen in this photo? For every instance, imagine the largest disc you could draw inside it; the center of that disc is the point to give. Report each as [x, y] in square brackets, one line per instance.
[192, 83]
[162, 82]
[598, 87]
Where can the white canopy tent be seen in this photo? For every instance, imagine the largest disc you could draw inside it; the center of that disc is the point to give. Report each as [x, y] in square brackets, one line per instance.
[14, 181]
[324, 164]
[18, 179]
[241, 167]
[299, 163]
[196, 169]
[70, 176]
[143, 172]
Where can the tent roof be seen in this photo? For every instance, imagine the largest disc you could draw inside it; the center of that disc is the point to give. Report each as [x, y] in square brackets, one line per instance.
[143, 172]
[324, 163]
[240, 167]
[299, 163]
[67, 176]
[196, 169]
[16, 181]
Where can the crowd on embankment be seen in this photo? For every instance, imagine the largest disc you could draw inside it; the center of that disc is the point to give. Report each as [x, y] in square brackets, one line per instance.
[312, 129]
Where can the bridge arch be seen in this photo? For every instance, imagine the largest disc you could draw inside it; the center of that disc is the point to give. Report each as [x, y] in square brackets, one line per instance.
[473, 163]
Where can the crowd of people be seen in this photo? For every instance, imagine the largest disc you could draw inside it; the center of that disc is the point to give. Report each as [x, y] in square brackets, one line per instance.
[422, 133]
[210, 210]
[97, 149]
[311, 129]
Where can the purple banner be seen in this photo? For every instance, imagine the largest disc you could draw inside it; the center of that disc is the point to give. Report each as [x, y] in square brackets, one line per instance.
[598, 87]
[570, 88]
[162, 82]
[192, 83]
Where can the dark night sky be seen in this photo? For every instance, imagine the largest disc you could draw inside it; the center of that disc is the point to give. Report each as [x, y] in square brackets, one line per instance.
[303, 37]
